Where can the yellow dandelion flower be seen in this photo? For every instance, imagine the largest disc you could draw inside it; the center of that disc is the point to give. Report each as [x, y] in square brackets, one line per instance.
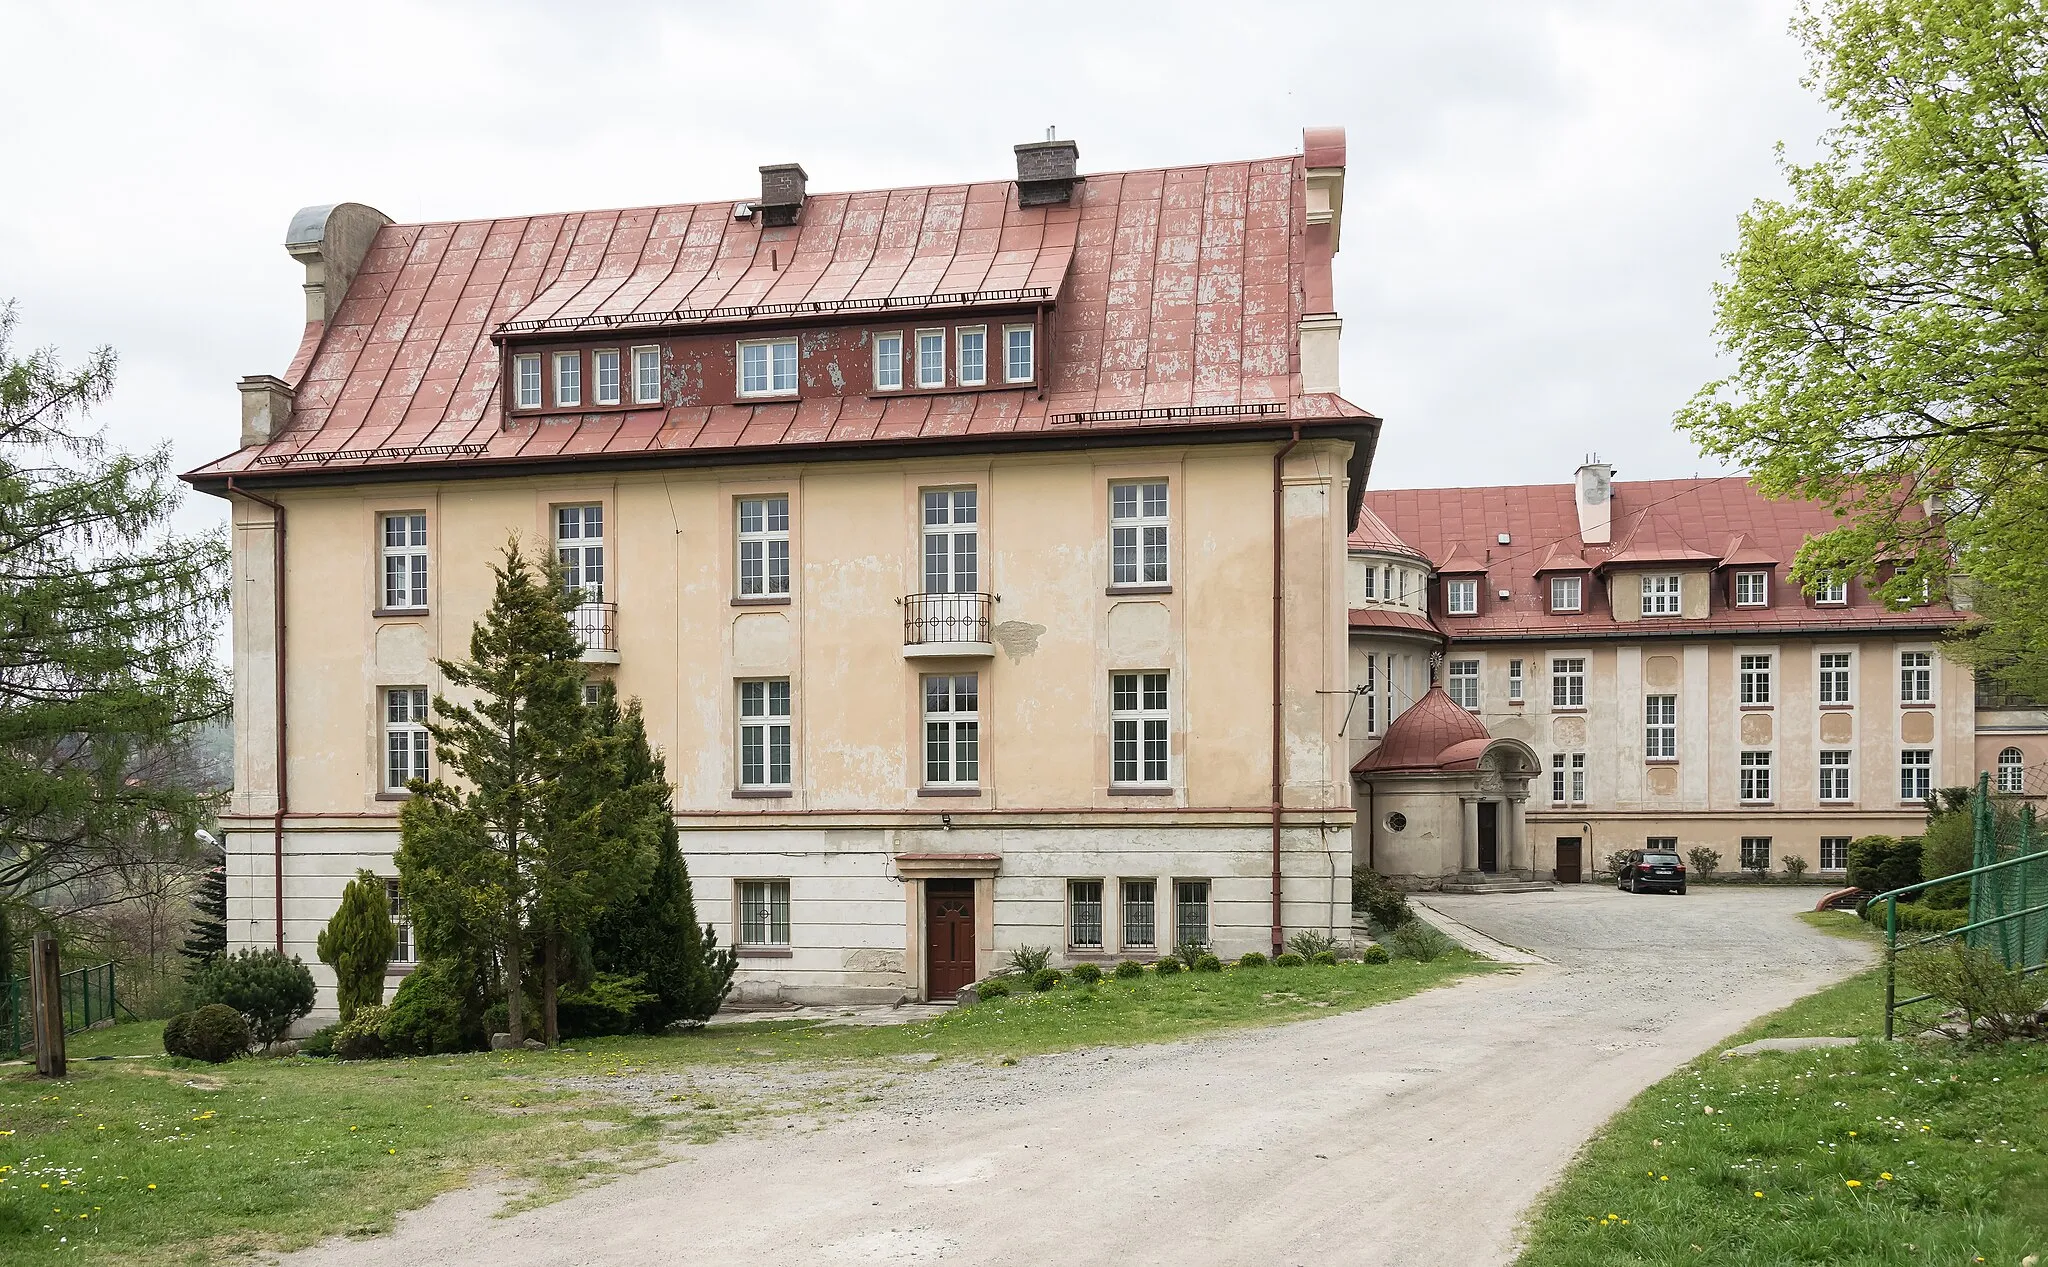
[1852, 1135]
[1663, 1178]
[1885, 1175]
[1758, 1195]
[1855, 1183]
[152, 1187]
[392, 1151]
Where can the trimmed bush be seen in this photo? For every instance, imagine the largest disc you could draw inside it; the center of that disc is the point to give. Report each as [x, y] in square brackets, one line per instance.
[1312, 942]
[1879, 864]
[215, 1033]
[174, 1033]
[428, 1011]
[1028, 961]
[358, 944]
[1208, 963]
[1087, 973]
[361, 1036]
[1916, 918]
[993, 988]
[269, 990]
[1327, 958]
[1166, 967]
[1251, 959]
[1420, 942]
[1375, 954]
[1045, 979]
[1381, 902]
[1130, 968]
[1288, 959]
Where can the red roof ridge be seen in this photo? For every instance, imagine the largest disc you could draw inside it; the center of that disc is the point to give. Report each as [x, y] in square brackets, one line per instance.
[1459, 559]
[1742, 550]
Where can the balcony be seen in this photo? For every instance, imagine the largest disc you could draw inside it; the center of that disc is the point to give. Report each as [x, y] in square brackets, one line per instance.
[947, 625]
[594, 625]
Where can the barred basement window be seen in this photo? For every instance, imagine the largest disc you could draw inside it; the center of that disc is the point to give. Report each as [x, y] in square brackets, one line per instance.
[1191, 913]
[1138, 913]
[1084, 914]
[764, 912]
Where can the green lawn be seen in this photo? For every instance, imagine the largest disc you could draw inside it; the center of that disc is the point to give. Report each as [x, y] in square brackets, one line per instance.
[273, 1154]
[1879, 1153]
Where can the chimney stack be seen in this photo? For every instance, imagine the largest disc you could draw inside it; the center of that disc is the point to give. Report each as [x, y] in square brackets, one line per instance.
[1047, 172]
[1595, 480]
[266, 407]
[782, 193]
[331, 242]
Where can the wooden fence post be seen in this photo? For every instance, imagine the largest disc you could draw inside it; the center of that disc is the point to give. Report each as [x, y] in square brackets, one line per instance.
[47, 1006]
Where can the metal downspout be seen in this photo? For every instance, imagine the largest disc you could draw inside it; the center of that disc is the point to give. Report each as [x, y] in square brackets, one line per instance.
[1279, 668]
[277, 634]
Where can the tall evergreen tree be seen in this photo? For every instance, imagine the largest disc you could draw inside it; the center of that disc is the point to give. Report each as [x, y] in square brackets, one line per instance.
[207, 942]
[358, 943]
[109, 623]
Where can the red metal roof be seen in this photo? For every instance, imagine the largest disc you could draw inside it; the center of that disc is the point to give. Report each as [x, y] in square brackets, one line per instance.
[1435, 734]
[1176, 289]
[1372, 533]
[1386, 618]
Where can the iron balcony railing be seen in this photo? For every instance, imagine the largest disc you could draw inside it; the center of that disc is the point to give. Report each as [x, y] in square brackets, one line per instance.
[932, 619]
[595, 625]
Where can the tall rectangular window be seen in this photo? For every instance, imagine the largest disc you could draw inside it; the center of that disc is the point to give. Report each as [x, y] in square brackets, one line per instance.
[1564, 593]
[764, 546]
[1461, 597]
[1568, 682]
[1834, 853]
[764, 913]
[951, 538]
[1020, 363]
[1514, 679]
[1137, 533]
[1191, 912]
[526, 380]
[972, 344]
[952, 730]
[604, 367]
[1755, 770]
[931, 358]
[764, 733]
[1834, 774]
[1463, 685]
[1370, 575]
[647, 376]
[888, 362]
[1660, 595]
[1916, 677]
[579, 548]
[1756, 853]
[400, 924]
[1754, 679]
[1138, 752]
[1568, 778]
[406, 742]
[405, 560]
[1660, 727]
[1370, 689]
[1916, 773]
[1831, 593]
[1751, 589]
[1834, 677]
[1140, 921]
[568, 378]
[1084, 914]
[768, 367]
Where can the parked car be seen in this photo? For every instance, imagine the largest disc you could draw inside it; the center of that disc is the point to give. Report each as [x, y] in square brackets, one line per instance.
[1649, 870]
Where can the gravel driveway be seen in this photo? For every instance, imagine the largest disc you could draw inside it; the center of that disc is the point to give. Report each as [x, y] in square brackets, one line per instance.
[1412, 1133]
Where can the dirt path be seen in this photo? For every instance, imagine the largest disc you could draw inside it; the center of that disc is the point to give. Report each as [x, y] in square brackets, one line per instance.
[1412, 1133]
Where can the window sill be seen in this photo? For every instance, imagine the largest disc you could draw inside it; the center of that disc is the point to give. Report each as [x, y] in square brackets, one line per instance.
[1114, 590]
[1516, 703]
[1827, 804]
[765, 952]
[1566, 611]
[1142, 791]
[388, 795]
[771, 600]
[396, 969]
[743, 398]
[395, 613]
[1756, 708]
[950, 389]
[1926, 703]
[1567, 708]
[1660, 760]
[1838, 708]
[1757, 804]
[763, 793]
[949, 791]
[1090, 954]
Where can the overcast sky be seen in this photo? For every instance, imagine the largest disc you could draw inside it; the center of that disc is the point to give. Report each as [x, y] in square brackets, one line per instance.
[1538, 199]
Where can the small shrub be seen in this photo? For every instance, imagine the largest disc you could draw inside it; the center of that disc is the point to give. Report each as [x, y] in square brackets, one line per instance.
[1045, 979]
[1879, 864]
[1915, 918]
[1327, 958]
[993, 988]
[1795, 866]
[1130, 968]
[1288, 959]
[1420, 942]
[269, 990]
[1029, 961]
[215, 1033]
[1311, 942]
[174, 1033]
[1375, 954]
[1087, 973]
[609, 1004]
[1208, 963]
[426, 1015]
[361, 1036]
[1703, 861]
[1251, 959]
[319, 1043]
[1381, 902]
[1166, 967]
[1997, 1003]
[1188, 952]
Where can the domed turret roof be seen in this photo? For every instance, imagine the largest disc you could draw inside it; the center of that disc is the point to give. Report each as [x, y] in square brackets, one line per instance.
[1372, 533]
[1436, 734]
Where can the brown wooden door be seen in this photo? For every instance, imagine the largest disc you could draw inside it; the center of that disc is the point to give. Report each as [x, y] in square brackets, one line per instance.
[948, 936]
[1489, 836]
[1568, 870]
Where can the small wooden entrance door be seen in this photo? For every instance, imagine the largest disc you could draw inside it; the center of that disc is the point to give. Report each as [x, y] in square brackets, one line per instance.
[1489, 836]
[948, 937]
[1568, 869]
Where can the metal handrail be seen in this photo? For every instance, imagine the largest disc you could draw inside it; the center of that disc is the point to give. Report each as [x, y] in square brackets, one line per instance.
[946, 618]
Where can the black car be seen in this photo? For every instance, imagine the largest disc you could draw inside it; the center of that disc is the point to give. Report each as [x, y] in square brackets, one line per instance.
[1649, 870]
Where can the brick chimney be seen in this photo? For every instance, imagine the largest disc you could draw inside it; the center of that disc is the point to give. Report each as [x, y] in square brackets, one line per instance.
[331, 242]
[1595, 480]
[1047, 172]
[782, 193]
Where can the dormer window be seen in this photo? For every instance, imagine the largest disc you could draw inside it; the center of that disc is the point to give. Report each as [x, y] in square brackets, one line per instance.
[647, 376]
[1461, 597]
[888, 362]
[1020, 363]
[972, 344]
[604, 366]
[526, 381]
[931, 358]
[568, 378]
[1832, 594]
[1660, 594]
[768, 367]
[1752, 589]
[1564, 593]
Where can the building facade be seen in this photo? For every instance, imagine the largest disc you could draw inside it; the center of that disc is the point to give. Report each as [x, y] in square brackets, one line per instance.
[978, 553]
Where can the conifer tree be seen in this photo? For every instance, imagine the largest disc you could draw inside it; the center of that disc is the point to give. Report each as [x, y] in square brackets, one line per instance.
[207, 942]
[358, 943]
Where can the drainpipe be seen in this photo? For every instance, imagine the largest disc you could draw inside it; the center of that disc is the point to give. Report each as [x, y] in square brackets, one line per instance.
[1279, 668]
[277, 636]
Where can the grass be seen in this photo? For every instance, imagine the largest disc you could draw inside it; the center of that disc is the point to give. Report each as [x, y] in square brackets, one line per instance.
[1874, 1154]
[142, 1158]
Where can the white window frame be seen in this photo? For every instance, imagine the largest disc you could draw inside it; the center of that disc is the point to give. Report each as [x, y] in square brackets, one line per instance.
[1371, 576]
[1567, 593]
[1837, 766]
[1663, 593]
[1010, 374]
[951, 706]
[404, 572]
[603, 361]
[1749, 848]
[762, 920]
[405, 723]
[568, 379]
[1916, 677]
[931, 360]
[1370, 689]
[952, 541]
[1753, 678]
[405, 951]
[1461, 596]
[1839, 847]
[885, 361]
[1837, 679]
[527, 387]
[1084, 898]
[1660, 727]
[1141, 729]
[961, 336]
[1916, 774]
[646, 389]
[2012, 775]
[1831, 594]
[1461, 683]
[1567, 778]
[762, 551]
[1568, 682]
[1514, 681]
[1762, 597]
[579, 552]
[772, 382]
[1140, 533]
[761, 725]
[1754, 767]
[1138, 912]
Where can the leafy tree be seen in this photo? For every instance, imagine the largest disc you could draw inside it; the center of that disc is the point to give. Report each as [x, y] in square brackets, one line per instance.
[268, 989]
[208, 940]
[109, 623]
[1887, 318]
[467, 851]
[358, 943]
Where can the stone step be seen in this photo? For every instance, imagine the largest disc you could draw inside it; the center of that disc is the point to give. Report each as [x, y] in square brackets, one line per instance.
[1497, 886]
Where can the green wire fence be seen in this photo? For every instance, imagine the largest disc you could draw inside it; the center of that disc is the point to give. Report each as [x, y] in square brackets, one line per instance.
[88, 996]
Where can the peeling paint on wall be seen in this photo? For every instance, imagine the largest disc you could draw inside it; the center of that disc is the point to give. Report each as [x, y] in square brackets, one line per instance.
[1018, 638]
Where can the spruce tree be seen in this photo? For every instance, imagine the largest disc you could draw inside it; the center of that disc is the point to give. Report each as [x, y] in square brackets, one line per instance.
[207, 942]
[358, 943]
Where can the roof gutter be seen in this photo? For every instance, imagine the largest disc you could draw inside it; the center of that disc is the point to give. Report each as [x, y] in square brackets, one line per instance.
[1279, 668]
[277, 635]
